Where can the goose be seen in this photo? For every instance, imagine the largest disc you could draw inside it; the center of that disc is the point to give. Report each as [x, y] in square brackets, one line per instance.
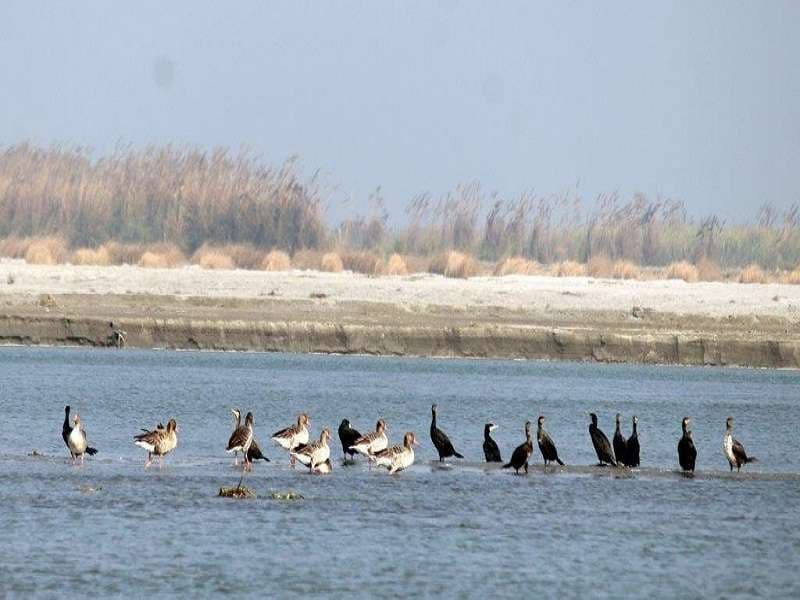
[620, 445]
[323, 468]
[292, 437]
[158, 442]
[397, 458]
[77, 440]
[66, 431]
[315, 453]
[601, 444]
[546, 445]
[490, 449]
[687, 453]
[241, 439]
[372, 442]
[522, 453]
[348, 437]
[733, 449]
[632, 445]
[440, 440]
[254, 453]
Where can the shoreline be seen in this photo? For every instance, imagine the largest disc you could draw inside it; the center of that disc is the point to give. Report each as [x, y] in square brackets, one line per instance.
[533, 318]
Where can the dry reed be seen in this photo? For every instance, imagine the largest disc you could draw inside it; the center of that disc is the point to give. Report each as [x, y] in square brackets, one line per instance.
[624, 269]
[600, 266]
[331, 263]
[682, 270]
[396, 265]
[49, 250]
[91, 256]
[569, 268]
[276, 260]
[752, 274]
[517, 265]
[213, 257]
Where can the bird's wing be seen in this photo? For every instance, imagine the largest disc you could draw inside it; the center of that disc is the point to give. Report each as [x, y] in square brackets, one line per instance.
[238, 437]
[738, 451]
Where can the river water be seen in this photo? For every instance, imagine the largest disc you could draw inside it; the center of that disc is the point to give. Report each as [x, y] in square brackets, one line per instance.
[112, 528]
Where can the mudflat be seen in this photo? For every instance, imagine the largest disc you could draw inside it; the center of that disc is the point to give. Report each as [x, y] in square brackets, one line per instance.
[538, 317]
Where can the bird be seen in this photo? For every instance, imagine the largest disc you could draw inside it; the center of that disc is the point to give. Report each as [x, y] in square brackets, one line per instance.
[372, 442]
[687, 453]
[440, 440]
[348, 436]
[323, 468]
[522, 453]
[546, 445]
[315, 453]
[397, 458]
[734, 451]
[159, 442]
[490, 449]
[601, 444]
[292, 437]
[632, 445]
[254, 453]
[620, 445]
[66, 431]
[241, 439]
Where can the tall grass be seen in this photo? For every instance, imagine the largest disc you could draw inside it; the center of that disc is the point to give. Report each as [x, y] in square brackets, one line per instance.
[189, 198]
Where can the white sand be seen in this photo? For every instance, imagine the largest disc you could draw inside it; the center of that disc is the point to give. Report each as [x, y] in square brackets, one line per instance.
[528, 293]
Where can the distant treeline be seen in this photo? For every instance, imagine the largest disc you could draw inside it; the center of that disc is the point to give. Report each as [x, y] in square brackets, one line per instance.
[190, 197]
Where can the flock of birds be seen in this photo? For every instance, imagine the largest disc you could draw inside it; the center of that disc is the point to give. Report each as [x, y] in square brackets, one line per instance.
[315, 455]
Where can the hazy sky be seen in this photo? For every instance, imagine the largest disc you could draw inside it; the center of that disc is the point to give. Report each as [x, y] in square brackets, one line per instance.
[694, 100]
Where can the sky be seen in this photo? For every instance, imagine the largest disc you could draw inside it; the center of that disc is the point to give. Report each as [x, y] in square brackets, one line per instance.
[697, 101]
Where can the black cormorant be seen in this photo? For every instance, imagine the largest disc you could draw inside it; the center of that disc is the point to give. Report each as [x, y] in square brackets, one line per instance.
[601, 444]
[687, 453]
[632, 445]
[734, 451]
[620, 445]
[490, 449]
[519, 459]
[546, 445]
[348, 437]
[439, 438]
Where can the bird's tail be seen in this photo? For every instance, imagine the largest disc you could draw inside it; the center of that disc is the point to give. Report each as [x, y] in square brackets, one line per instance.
[559, 461]
[752, 459]
[457, 455]
[507, 466]
[91, 451]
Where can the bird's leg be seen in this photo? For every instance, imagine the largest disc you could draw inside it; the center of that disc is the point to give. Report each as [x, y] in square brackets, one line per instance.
[148, 461]
[526, 468]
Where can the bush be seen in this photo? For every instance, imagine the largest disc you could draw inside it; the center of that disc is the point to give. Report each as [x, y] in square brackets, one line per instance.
[123, 254]
[307, 260]
[708, 270]
[569, 268]
[46, 251]
[682, 270]
[517, 265]
[396, 265]
[213, 257]
[245, 256]
[276, 260]
[331, 263]
[362, 262]
[90, 256]
[14, 247]
[600, 266]
[792, 277]
[752, 274]
[461, 265]
[624, 269]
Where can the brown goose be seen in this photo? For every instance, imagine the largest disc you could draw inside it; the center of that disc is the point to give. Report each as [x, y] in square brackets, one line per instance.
[315, 453]
[254, 453]
[158, 442]
[373, 442]
[397, 458]
[292, 437]
[242, 438]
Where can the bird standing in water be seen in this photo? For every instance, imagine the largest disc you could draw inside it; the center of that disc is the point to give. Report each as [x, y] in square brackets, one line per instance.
[546, 445]
[601, 444]
[440, 440]
[733, 449]
[522, 453]
[687, 453]
[490, 448]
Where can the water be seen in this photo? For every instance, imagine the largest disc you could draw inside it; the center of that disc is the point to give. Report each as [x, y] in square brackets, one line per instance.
[465, 531]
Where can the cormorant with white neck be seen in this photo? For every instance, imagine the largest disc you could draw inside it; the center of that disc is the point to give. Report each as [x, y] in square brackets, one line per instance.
[734, 451]
[490, 449]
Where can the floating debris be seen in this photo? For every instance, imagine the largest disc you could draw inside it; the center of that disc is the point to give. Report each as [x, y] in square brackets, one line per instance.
[36, 453]
[286, 496]
[87, 489]
[240, 491]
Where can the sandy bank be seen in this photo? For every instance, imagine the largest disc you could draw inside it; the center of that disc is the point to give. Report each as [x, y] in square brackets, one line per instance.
[512, 317]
